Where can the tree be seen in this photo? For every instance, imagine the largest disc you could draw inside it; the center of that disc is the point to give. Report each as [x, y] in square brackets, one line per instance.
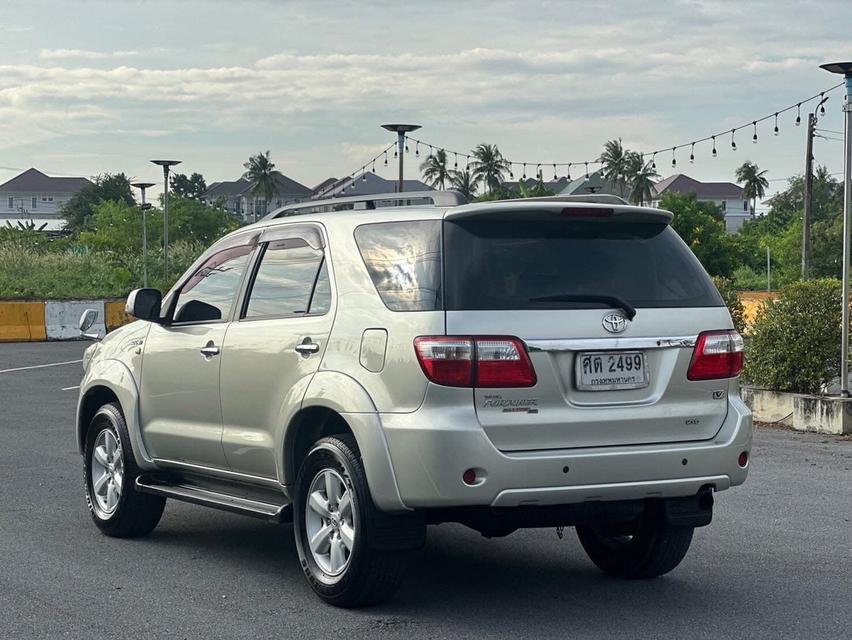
[435, 170]
[108, 187]
[193, 186]
[463, 182]
[701, 226]
[754, 182]
[641, 178]
[259, 172]
[488, 166]
[535, 190]
[616, 162]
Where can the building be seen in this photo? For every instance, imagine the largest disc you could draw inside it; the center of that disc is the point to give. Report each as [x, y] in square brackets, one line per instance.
[725, 195]
[35, 196]
[236, 197]
[364, 185]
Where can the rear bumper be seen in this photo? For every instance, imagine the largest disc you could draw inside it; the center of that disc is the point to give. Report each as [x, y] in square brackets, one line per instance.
[430, 453]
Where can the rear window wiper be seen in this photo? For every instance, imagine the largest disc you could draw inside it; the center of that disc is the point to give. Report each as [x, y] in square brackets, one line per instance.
[616, 301]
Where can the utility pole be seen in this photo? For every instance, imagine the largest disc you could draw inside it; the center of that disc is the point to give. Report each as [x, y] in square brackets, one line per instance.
[144, 208]
[809, 185]
[165, 164]
[401, 130]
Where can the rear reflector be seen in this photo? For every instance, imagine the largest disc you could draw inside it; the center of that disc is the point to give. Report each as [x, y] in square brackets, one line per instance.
[484, 361]
[718, 354]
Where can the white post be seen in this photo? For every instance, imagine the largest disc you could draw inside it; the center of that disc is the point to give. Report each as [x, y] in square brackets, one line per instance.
[847, 210]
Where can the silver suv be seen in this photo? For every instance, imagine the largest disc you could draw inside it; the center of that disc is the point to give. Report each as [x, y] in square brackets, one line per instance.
[364, 367]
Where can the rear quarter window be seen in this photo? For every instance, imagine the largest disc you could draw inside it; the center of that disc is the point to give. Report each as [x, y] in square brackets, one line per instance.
[505, 264]
[404, 262]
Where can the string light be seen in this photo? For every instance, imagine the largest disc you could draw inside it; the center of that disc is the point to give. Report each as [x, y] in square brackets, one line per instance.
[525, 171]
[714, 145]
[511, 174]
[406, 144]
[733, 142]
[674, 160]
[395, 154]
[654, 160]
[692, 153]
[798, 114]
[386, 158]
[776, 123]
[822, 104]
[587, 170]
[456, 162]
[568, 174]
[555, 177]
[538, 172]
[754, 137]
[417, 149]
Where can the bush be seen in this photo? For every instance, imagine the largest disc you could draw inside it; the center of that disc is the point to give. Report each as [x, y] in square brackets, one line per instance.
[795, 340]
[732, 300]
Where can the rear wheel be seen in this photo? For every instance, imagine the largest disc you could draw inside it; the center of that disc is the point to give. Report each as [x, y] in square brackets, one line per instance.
[335, 524]
[110, 474]
[647, 548]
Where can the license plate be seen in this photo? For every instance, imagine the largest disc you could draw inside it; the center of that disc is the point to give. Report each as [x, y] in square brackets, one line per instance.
[611, 370]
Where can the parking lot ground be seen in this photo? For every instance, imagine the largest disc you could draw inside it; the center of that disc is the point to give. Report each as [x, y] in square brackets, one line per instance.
[775, 563]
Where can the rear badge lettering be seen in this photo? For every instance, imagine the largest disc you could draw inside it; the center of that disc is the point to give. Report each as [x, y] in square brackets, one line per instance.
[718, 395]
[512, 405]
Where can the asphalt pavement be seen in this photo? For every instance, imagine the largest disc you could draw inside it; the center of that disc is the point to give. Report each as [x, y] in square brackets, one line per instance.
[775, 563]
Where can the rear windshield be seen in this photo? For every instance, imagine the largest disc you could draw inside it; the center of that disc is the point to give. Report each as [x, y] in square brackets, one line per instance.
[505, 264]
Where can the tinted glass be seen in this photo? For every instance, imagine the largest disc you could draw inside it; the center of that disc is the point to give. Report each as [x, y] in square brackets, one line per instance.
[500, 264]
[404, 262]
[209, 293]
[284, 280]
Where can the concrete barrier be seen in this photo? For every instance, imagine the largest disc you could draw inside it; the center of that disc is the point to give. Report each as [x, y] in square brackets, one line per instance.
[22, 321]
[62, 318]
[768, 405]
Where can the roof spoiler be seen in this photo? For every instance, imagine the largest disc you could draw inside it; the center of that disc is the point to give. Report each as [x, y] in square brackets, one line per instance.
[598, 207]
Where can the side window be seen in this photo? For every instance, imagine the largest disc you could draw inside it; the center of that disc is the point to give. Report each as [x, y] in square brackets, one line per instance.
[292, 279]
[209, 294]
[404, 262]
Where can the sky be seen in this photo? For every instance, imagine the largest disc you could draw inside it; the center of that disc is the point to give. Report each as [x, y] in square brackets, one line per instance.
[89, 87]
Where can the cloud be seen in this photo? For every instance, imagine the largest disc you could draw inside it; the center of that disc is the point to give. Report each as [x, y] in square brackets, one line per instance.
[81, 54]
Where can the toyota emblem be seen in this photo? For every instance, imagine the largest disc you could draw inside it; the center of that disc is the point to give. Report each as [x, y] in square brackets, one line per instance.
[614, 322]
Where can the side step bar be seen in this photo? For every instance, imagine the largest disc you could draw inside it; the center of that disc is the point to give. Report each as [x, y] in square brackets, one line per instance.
[217, 500]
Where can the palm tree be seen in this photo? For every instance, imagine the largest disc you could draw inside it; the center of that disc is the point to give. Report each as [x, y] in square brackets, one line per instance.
[464, 183]
[435, 170]
[615, 162]
[640, 178]
[754, 182]
[488, 166]
[259, 172]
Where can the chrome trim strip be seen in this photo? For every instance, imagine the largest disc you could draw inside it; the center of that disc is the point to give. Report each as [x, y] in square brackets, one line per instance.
[166, 463]
[610, 344]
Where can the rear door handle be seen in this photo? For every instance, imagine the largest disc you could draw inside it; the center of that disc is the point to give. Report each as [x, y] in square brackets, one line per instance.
[209, 350]
[307, 347]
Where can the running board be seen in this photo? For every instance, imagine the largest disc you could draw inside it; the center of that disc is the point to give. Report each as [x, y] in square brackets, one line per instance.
[217, 500]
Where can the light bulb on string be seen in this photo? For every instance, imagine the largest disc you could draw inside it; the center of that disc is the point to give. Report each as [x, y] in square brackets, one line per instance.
[511, 173]
[386, 158]
[555, 177]
[654, 160]
[733, 142]
[713, 138]
[406, 144]
[455, 161]
[798, 114]
[538, 171]
[467, 163]
[776, 124]
[524, 177]
[754, 136]
[364, 174]
[587, 170]
[417, 149]
[822, 104]
[430, 151]
[374, 165]
[395, 153]
[692, 153]
[568, 172]
[674, 160]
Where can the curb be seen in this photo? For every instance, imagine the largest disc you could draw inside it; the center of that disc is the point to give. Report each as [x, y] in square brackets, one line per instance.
[37, 321]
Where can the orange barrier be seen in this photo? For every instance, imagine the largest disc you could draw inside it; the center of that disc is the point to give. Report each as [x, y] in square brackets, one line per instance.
[752, 301]
[22, 322]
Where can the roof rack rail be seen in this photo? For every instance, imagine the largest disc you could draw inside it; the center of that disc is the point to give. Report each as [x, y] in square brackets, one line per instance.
[589, 198]
[404, 199]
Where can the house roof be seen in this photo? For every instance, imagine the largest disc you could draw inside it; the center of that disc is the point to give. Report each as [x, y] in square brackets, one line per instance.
[324, 184]
[285, 186]
[368, 184]
[680, 183]
[555, 186]
[33, 180]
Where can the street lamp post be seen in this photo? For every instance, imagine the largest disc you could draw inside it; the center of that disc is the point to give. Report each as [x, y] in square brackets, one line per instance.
[145, 206]
[845, 69]
[165, 164]
[401, 130]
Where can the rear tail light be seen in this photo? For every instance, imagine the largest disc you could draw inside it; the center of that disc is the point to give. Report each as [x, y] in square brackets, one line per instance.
[485, 361]
[718, 354]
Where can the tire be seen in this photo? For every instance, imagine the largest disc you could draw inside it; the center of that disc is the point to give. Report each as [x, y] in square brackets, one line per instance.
[647, 548]
[343, 574]
[117, 509]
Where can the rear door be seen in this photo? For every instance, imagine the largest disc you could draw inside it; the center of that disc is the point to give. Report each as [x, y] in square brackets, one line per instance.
[565, 283]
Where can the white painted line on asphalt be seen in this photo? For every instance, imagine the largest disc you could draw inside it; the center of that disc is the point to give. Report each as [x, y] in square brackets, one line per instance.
[70, 388]
[40, 366]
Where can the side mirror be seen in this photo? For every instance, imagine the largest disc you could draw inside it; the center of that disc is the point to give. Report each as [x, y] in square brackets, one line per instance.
[87, 320]
[144, 304]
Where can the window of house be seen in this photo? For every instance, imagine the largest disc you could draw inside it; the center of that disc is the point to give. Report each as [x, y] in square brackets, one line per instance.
[745, 205]
[50, 198]
[11, 202]
[35, 203]
[292, 279]
[724, 205]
